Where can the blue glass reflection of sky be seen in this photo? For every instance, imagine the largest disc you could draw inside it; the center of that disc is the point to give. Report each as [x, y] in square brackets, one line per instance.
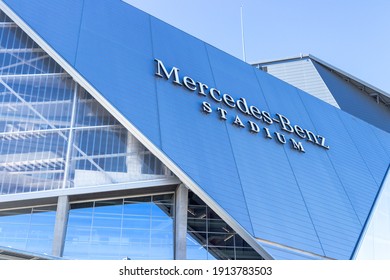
[195, 251]
[117, 230]
[31, 232]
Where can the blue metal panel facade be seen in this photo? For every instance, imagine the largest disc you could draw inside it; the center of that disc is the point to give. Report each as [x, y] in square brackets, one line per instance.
[116, 60]
[354, 101]
[315, 201]
[55, 26]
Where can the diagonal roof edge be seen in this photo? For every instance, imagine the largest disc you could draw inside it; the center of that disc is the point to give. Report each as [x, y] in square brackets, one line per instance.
[135, 132]
[371, 90]
[385, 184]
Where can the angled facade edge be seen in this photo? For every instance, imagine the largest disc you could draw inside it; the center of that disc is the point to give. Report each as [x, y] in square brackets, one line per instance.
[348, 75]
[183, 177]
[326, 65]
[386, 181]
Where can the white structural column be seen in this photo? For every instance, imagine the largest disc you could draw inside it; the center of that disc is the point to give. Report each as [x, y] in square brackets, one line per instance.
[181, 206]
[60, 226]
[69, 149]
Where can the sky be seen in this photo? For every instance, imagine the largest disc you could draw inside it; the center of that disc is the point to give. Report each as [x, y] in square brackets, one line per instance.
[352, 35]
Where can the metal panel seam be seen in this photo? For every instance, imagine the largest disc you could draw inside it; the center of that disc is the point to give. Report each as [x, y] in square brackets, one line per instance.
[367, 223]
[358, 150]
[155, 86]
[379, 140]
[137, 134]
[331, 162]
[79, 33]
[231, 147]
[292, 170]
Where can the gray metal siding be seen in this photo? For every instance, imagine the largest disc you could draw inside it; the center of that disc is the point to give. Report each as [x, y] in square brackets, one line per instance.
[303, 75]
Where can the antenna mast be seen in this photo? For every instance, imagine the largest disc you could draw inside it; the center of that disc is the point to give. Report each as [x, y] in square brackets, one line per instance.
[242, 37]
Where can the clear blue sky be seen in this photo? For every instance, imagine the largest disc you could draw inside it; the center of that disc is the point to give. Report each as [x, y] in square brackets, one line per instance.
[353, 35]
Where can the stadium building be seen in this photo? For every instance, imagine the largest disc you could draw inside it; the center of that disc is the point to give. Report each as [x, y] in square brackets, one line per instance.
[122, 137]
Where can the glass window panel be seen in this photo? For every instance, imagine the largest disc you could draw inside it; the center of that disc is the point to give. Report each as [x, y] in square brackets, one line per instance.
[109, 206]
[246, 253]
[6, 60]
[219, 239]
[77, 250]
[195, 251]
[166, 199]
[85, 165]
[20, 69]
[162, 237]
[138, 199]
[207, 230]
[116, 235]
[39, 231]
[162, 223]
[136, 222]
[31, 104]
[43, 218]
[151, 165]
[34, 147]
[46, 65]
[32, 162]
[107, 220]
[101, 141]
[218, 225]
[33, 232]
[17, 216]
[14, 38]
[160, 211]
[91, 113]
[197, 211]
[13, 230]
[7, 100]
[135, 236]
[77, 233]
[35, 89]
[112, 164]
[142, 209]
[105, 235]
[227, 253]
[29, 55]
[4, 17]
[80, 217]
[17, 243]
[84, 207]
[198, 225]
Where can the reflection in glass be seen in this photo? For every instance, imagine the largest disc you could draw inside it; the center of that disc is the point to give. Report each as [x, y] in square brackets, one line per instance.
[135, 228]
[29, 229]
[53, 133]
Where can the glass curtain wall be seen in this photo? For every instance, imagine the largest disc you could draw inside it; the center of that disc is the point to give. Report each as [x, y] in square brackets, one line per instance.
[210, 237]
[136, 228]
[29, 229]
[54, 134]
